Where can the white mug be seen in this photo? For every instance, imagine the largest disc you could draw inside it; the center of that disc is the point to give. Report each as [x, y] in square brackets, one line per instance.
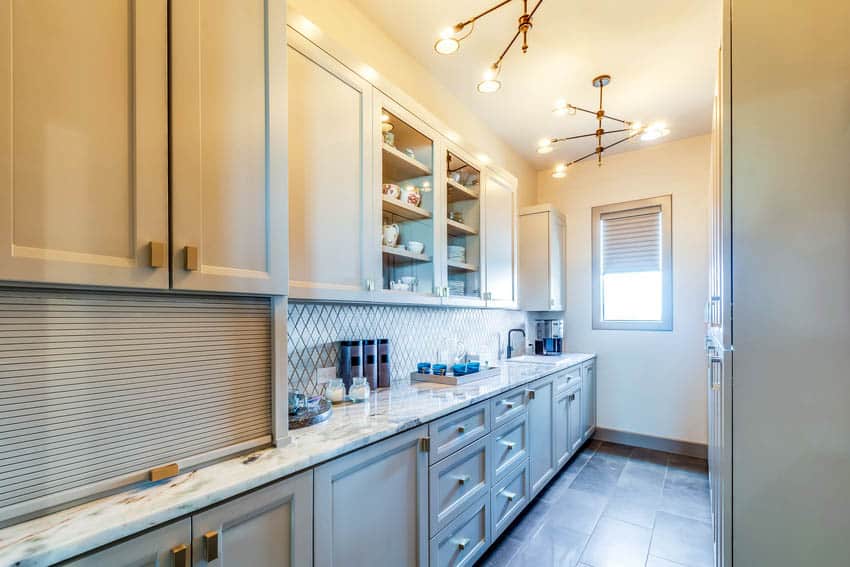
[391, 233]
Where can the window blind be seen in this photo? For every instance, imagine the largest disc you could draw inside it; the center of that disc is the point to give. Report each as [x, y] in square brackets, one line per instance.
[98, 388]
[631, 241]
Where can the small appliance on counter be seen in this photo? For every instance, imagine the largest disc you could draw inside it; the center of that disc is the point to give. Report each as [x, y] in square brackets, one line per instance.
[550, 337]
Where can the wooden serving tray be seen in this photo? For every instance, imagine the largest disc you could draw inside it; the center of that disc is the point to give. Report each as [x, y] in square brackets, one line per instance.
[452, 380]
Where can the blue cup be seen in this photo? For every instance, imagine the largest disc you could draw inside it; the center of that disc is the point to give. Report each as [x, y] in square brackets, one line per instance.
[439, 369]
[423, 368]
[459, 369]
[472, 367]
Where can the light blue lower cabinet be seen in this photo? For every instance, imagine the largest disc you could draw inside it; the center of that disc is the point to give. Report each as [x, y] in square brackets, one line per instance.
[371, 506]
[509, 446]
[465, 538]
[509, 496]
[457, 481]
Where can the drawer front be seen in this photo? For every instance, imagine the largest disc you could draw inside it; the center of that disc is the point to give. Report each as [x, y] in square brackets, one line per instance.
[457, 481]
[508, 497]
[509, 446]
[568, 378]
[509, 405]
[458, 430]
[465, 539]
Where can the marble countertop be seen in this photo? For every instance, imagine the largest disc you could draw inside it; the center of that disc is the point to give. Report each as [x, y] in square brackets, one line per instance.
[69, 532]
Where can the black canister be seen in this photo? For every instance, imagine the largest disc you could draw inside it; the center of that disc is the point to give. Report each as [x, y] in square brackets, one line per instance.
[350, 361]
[384, 363]
[370, 362]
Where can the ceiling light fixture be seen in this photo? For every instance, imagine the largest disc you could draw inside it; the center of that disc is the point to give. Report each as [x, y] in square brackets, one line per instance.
[631, 130]
[449, 41]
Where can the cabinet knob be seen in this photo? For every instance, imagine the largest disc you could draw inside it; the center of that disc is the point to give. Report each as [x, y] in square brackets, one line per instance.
[508, 404]
[462, 479]
[209, 546]
[509, 444]
[180, 556]
[191, 258]
[157, 251]
[462, 543]
[530, 394]
[509, 495]
[461, 429]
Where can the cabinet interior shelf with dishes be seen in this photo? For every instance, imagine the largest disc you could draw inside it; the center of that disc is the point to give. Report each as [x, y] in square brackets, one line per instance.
[397, 213]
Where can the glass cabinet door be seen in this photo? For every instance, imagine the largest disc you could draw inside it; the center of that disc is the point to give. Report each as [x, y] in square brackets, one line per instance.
[407, 204]
[463, 226]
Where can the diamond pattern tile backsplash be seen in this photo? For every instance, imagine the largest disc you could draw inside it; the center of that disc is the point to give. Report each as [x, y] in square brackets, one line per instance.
[415, 334]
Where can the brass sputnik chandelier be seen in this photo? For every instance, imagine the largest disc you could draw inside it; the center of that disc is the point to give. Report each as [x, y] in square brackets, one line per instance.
[449, 41]
[627, 128]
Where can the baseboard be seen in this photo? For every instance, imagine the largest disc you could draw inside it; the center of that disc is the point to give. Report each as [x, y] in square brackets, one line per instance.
[689, 448]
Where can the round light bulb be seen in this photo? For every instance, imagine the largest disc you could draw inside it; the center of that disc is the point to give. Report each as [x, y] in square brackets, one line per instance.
[544, 146]
[446, 46]
[489, 86]
[560, 171]
[545, 150]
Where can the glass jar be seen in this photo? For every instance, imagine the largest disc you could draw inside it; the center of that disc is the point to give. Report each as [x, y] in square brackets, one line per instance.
[335, 391]
[359, 391]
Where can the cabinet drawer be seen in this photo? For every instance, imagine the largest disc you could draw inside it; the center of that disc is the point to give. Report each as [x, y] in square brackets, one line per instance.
[509, 446]
[508, 497]
[465, 539]
[457, 481]
[567, 379]
[458, 430]
[507, 406]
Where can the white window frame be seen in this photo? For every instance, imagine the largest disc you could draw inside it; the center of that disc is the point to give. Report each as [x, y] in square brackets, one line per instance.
[666, 322]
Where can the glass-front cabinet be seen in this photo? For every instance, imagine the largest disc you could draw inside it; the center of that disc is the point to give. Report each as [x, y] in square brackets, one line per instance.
[463, 266]
[410, 208]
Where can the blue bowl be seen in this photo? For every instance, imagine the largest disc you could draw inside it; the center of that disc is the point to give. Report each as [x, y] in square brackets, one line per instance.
[439, 369]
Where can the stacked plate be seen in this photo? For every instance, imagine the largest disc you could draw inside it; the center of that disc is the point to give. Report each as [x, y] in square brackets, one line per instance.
[457, 287]
[457, 253]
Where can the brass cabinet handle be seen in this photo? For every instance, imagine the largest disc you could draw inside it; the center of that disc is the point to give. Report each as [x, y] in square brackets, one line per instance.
[530, 394]
[462, 479]
[462, 543]
[425, 444]
[461, 429]
[157, 252]
[507, 404]
[180, 556]
[191, 258]
[209, 546]
[509, 444]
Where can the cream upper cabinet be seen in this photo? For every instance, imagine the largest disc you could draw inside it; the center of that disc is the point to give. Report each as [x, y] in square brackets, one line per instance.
[229, 145]
[330, 176]
[84, 142]
[542, 244]
[500, 240]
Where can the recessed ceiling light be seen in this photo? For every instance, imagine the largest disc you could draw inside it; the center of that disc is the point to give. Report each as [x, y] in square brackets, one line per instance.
[560, 171]
[446, 46]
[489, 86]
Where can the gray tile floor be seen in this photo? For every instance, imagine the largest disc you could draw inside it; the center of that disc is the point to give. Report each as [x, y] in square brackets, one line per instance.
[615, 506]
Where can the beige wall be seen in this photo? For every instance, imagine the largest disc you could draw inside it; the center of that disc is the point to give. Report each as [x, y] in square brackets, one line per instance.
[651, 383]
[347, 26]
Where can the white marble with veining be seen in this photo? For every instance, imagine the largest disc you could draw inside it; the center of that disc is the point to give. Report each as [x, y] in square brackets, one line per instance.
[73, 531]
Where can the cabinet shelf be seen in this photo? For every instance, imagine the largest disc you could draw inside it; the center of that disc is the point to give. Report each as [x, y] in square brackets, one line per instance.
[399, 166]
[405, 254]
[458, 192]
[461, 266]
[455, 228]
[404, 210]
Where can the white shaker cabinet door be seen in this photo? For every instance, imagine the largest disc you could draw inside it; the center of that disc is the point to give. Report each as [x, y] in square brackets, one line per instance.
[330, 168]
[371, 506]
[229, 145]
[84, 142]
[500, 240]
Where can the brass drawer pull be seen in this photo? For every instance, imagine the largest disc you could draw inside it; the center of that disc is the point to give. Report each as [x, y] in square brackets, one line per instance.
[530, 394]
[507, 404]
[509, 495]
[180, 556]
[509, 444]
[461, 429]
[191, 258]
[424, 444]
[462, 543]
[209, 543]
[157, 250]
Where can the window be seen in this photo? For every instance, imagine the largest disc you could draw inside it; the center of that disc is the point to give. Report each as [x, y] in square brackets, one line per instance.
[632, 270]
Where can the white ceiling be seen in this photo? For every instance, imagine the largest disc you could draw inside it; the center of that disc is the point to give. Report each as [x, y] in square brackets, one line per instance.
[661, 54]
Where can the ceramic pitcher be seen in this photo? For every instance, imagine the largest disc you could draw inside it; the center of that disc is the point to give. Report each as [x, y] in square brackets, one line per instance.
[391, 233]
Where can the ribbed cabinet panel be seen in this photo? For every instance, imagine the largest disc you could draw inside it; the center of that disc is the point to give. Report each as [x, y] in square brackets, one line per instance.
[98, 388]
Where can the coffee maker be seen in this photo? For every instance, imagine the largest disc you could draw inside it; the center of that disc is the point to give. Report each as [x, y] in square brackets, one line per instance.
[550, 337]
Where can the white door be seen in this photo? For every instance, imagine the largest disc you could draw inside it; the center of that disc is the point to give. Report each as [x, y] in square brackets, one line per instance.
[229, 155]
[330, 168]
[500, 240]
[535, 270]
[557, 247]
[84, 142]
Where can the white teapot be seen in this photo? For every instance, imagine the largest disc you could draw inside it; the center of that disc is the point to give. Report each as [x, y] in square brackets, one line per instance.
[391, 233]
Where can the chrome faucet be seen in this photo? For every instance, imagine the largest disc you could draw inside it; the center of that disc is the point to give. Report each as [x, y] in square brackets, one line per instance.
[510, 348]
